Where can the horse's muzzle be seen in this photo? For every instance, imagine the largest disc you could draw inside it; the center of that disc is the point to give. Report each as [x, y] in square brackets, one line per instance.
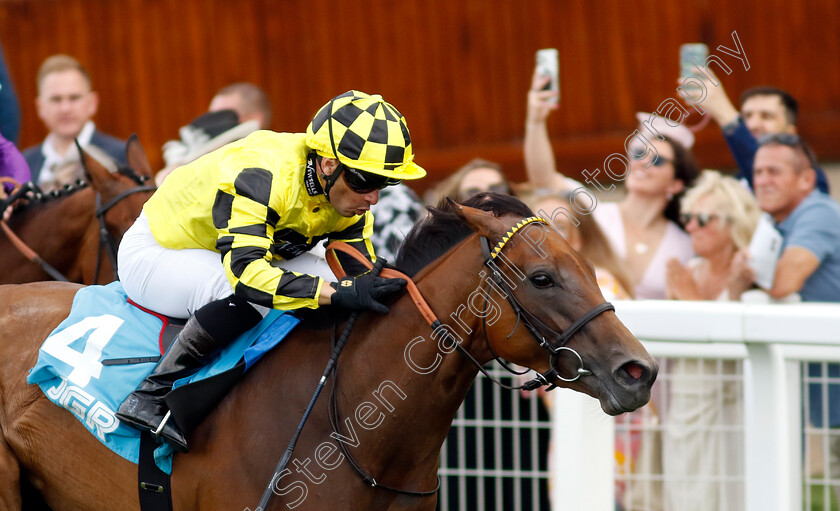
[631, 385]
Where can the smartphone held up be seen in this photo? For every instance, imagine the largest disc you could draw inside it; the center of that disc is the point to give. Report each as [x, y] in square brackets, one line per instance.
[692, 55]
[548, 64]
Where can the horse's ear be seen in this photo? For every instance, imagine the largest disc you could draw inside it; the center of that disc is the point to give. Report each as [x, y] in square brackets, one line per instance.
[95, 172]
[135, 155]
[482, 222]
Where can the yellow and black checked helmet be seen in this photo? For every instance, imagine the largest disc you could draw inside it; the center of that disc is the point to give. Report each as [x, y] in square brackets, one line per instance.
[364, 132]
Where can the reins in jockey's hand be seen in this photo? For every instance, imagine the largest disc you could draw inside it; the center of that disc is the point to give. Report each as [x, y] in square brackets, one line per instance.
[365, 292]
[534, 325]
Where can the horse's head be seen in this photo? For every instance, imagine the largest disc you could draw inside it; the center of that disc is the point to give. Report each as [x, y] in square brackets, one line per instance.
[560, 306]
[122, 193]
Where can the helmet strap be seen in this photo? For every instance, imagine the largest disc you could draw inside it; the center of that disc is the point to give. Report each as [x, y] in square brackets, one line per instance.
[329, 180]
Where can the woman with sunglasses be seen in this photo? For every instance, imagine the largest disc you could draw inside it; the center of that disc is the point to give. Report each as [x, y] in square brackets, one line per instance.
[720, 215]
[477, 176]
[642, 227]
[225, 238]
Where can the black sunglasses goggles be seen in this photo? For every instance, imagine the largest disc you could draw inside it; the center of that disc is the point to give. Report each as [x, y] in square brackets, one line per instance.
[365, 182]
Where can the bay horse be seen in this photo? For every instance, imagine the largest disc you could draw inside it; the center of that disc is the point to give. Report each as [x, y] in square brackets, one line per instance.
[65, 229]
[392, 399]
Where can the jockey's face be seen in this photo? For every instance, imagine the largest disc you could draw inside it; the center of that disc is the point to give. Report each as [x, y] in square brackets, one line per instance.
[65, 103]
[343, 199]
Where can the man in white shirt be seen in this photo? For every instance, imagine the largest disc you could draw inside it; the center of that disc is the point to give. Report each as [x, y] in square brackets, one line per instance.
[66, 104]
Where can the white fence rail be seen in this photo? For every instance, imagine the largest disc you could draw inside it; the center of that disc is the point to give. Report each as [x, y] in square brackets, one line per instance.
[772, 341]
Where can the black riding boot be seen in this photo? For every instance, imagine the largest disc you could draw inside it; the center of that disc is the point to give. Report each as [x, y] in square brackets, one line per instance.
[145, 408]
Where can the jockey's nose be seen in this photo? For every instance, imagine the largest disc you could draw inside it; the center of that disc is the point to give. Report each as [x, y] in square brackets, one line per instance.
[371, 197]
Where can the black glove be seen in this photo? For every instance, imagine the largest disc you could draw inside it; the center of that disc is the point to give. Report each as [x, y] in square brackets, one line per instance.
[365, 292]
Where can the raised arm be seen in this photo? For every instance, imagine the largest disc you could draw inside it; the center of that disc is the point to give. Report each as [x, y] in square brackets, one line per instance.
[716, 102]
[539, 156]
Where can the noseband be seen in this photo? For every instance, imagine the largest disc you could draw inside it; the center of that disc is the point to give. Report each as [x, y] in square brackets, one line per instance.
[534, 325]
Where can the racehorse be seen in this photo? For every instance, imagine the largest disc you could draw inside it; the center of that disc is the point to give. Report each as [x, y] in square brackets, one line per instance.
[66, 229]
[392, 399]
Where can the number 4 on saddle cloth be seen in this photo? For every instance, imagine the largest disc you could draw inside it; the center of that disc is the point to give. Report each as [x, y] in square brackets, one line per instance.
[97, 356]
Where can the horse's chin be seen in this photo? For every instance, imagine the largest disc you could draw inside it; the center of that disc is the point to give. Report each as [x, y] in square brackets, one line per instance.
[615, 405]
[613, 397]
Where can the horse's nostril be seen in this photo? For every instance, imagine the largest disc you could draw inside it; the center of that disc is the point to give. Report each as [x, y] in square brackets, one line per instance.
[634, 370]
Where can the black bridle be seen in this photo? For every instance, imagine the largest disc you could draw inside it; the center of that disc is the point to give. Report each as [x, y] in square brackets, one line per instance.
[534, 325]
[106, 240]
[538, 329]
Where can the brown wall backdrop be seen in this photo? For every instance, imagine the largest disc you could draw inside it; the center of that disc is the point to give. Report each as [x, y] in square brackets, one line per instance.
[458, 70]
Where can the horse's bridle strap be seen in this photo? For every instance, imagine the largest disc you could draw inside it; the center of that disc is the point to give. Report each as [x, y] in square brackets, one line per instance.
[105, 238]
[413, 291]
[107, 241]
[102, 209]
[501, 244]
[420, 302]
[583, 320]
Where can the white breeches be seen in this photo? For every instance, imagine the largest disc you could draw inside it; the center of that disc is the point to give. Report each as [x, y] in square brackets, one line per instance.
[178, 282]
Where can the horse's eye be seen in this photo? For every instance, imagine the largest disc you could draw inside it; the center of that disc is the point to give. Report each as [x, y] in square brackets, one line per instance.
[541, 280]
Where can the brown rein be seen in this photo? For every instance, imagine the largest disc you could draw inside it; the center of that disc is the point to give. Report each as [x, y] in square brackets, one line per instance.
[106, 241]
[18, 243]
[416, 296]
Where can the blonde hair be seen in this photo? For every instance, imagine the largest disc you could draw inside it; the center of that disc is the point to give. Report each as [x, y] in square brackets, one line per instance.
[450, 187]
[731, 200]
[58, 63]
[252, 99]
[594, 243]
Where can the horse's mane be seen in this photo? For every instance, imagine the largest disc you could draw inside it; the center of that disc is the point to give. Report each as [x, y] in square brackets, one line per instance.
[36, 197]
[442, 229]
[33, 197]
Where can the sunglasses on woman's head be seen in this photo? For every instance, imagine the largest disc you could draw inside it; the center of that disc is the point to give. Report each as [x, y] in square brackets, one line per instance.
[365, 182]
[703, 219]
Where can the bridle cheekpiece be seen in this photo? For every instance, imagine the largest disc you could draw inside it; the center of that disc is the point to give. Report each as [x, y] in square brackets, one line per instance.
[534, 325]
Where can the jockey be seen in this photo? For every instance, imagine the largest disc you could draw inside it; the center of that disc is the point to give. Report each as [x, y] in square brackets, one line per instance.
[225, 238]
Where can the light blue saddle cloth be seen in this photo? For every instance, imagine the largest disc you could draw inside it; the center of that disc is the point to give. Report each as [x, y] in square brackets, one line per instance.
[102, 325]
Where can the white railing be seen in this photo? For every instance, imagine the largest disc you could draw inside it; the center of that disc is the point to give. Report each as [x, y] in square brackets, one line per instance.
[772, 340]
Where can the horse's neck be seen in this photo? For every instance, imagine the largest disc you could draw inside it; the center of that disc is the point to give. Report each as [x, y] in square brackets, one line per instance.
[395, 414]
[414, 377]
[67, 217]
[57, 231]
